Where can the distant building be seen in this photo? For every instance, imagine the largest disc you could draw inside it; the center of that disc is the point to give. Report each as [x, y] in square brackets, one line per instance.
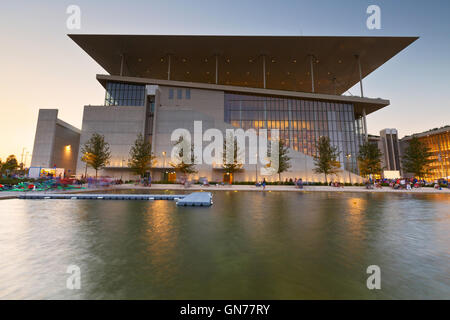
[389, 145]
[438, 140]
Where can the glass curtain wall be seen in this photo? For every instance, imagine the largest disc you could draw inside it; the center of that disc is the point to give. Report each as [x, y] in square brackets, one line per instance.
[123, 94]
[301, 122]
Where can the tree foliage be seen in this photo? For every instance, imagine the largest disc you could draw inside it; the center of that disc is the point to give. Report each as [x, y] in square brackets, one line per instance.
[141, 157]
[235, 165]
[185, 163]
[96, 153]
[326, 159]
[369, 159]
[416, 158]
[283, 158]
[10, 165]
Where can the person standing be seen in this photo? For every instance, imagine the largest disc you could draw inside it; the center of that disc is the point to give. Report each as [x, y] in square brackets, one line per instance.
[264, 184]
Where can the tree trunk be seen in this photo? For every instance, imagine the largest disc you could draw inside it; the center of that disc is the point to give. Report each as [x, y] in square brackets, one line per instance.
[279, 177]
[326, 180]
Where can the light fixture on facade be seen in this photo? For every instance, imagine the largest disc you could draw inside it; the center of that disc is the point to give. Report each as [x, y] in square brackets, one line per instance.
[68, 148]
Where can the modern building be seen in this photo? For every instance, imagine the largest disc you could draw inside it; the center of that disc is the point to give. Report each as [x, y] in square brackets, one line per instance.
[156, 84]
[438, 141]
[390, 148]
[56, 145]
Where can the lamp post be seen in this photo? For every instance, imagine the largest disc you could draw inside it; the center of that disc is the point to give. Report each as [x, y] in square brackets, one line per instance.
[348, 156]
[164, 165]
[256, 169]
[121, 175]
[21, 160]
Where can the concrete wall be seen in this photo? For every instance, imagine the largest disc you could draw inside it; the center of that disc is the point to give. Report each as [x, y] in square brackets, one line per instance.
[52, 140]
[44, 138]
[120, 127]
[65, 148]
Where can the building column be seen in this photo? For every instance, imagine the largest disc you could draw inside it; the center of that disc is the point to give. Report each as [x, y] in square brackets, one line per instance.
[217, 69]
[264, 71]
[122, 61]
[312, 71]
[360, 76]
[168, 67]
[366, 135]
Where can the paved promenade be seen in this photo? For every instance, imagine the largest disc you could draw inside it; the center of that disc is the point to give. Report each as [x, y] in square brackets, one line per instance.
[11, 195]
[280, 188]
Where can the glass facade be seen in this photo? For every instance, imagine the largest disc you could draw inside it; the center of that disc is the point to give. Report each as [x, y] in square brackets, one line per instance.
[439, 144]
[121, 94]
[301, 122]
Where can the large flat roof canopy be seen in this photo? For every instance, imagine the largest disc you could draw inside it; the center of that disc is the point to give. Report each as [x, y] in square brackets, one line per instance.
[240, 58]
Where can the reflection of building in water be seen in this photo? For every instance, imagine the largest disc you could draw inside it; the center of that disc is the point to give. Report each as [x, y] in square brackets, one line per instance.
[438, 140]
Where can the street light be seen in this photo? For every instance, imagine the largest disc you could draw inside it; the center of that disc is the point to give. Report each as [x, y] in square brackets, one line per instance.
[348, 156]
[121, 175]
[256, 169]
[164, 166]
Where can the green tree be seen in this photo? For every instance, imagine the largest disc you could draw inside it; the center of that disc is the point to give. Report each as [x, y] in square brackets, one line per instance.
[141, 157]
[369, 159]
[231, 143]
[416, 158]
[184, 163]
[283, 158]
[10, 165]
[326, 159]
[96, 153]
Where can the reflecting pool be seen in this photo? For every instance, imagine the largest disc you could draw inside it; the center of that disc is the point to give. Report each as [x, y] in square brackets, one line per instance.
[248, 245]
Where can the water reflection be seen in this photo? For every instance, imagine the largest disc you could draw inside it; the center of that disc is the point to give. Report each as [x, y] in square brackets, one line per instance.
[248, 245]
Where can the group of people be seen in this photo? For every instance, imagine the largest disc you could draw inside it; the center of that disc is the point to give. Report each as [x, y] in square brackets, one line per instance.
[298, 183]
[404, 183]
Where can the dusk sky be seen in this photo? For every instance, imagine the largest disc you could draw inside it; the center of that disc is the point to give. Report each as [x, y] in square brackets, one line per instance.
[42, 68]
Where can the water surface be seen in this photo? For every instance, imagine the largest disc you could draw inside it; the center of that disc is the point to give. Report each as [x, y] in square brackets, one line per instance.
[248, 245]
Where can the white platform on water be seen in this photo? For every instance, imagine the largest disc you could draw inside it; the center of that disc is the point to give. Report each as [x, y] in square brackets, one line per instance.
[196, 199]
[193, 199]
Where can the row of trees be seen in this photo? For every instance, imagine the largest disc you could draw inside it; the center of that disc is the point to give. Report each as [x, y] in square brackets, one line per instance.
[96, 154]
[416, 158]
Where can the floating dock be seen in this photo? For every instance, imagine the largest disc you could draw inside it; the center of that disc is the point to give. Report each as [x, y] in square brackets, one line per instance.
[193, 199]
[196, 199]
